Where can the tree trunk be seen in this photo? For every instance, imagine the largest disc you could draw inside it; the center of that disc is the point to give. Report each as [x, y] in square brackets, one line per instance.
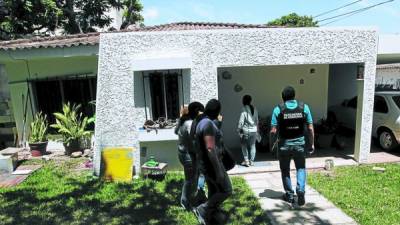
[72, 26]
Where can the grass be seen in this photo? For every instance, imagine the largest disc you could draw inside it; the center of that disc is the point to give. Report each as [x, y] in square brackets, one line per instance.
[369, 197]
[57, 194]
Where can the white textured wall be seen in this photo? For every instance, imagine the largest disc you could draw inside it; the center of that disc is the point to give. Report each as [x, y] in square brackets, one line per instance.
[342, 83]
[265, 85]
[118, 119]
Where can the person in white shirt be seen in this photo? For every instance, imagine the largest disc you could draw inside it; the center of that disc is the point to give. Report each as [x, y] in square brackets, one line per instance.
[248, 128]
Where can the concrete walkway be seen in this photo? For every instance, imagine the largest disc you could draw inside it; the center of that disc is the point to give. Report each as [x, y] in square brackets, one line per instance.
[317, 210]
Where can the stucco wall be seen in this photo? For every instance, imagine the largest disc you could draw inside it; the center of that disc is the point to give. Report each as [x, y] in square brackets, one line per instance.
[118, 119]
[164, 151]
[342, 83]
[265, 85]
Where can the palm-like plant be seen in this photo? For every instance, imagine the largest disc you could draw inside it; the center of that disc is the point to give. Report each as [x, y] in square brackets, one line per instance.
[71, 124]
[39, 127]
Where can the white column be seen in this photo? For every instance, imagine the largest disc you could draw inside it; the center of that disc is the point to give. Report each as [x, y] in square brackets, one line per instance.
[357, 144]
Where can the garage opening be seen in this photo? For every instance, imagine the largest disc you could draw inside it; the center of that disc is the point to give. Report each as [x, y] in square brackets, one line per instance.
[320, 86]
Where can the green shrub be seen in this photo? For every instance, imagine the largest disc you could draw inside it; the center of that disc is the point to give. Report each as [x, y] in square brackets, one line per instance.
[71, 124]
[39, 127]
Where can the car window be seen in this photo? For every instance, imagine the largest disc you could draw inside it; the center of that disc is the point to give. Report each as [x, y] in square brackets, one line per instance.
[352, 103]
[396, 100]
[380, 105]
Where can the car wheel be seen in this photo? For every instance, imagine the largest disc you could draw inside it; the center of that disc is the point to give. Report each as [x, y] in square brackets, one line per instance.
[387, 141]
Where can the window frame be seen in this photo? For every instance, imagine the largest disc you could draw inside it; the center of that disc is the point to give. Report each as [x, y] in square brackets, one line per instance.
[60, 80]
[147, 92]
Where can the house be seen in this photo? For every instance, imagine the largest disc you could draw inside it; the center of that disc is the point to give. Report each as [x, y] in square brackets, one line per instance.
[388, 77]
[150, 72]
[388, 68]
[324, 65]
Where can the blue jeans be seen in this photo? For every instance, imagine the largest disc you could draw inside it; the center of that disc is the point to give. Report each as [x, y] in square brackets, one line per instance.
[285, 154]
[192, 178]
[248, 142]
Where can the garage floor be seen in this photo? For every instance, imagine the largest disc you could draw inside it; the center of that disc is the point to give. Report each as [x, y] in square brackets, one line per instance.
[266, 162]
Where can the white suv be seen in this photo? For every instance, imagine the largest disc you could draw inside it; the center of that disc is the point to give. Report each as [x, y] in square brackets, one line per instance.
[386, 123]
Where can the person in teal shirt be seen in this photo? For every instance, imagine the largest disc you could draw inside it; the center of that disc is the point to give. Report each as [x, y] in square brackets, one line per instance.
[287, 125]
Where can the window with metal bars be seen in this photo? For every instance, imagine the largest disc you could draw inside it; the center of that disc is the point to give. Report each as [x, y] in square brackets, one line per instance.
[50, 95]
[164, 91]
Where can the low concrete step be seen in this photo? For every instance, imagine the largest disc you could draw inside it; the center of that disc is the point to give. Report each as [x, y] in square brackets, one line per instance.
[11, 151]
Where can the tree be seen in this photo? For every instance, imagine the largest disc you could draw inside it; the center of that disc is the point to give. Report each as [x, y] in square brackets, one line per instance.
[21, 18]
[294, 20]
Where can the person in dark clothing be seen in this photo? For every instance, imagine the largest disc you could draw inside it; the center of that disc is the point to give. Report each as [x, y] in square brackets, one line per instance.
[208, 140]
[187, 159]
[288, 123]
[193, 177]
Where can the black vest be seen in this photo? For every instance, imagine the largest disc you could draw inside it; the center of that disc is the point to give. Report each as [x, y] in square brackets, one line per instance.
[291, 122]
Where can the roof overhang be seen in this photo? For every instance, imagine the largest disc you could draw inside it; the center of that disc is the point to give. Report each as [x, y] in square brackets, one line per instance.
[43, 53]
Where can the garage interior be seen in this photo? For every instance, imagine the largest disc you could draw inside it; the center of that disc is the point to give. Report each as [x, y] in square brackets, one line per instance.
[319, 86]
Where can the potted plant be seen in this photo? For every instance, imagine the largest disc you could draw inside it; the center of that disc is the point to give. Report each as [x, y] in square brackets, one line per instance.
[72, 126]
[324, 133]
[38, 136]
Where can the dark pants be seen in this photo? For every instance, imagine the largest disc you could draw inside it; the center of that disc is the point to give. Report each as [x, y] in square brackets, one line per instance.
[193, 180]
[286, 154]
[218, 192]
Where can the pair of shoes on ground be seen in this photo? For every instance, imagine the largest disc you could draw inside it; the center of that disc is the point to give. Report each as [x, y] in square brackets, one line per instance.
[247, 163]
[290, 198]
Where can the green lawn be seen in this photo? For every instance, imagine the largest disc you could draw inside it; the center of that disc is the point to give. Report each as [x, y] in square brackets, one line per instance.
[57, 194]
[369, 197]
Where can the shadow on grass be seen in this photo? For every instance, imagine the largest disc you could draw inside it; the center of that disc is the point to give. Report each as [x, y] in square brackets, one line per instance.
[52, 197]
[90, 202]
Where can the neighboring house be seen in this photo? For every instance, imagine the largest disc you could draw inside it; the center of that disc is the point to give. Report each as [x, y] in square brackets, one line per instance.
[388, 77]
[388, 68]
[149, 72]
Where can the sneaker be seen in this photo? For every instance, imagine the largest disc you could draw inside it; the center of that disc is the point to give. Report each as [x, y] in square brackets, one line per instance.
[201, 213]
[251, 163]
[245, 163]
[288, 198]
[300, 199]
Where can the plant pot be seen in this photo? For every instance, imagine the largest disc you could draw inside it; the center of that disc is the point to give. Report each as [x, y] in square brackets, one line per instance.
[73, 146]
[38, 149]
[325, 140]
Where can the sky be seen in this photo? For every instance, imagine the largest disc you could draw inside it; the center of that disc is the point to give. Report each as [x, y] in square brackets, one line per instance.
[386, 17]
